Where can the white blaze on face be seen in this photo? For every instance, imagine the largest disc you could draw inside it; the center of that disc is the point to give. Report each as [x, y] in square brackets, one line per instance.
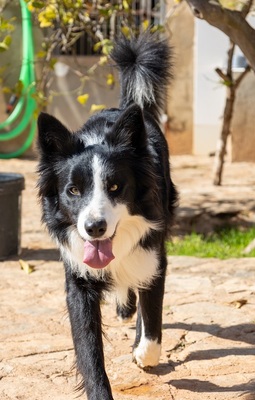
[100, 206]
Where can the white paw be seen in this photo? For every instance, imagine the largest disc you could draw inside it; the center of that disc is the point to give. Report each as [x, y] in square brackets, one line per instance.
[147, 353]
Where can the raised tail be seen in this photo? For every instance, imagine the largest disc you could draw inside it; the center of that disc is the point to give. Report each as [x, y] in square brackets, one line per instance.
[145, 70]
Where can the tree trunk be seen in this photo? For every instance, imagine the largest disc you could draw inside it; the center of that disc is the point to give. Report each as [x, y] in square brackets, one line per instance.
[232, 86]
[232, 23]
[222, 143]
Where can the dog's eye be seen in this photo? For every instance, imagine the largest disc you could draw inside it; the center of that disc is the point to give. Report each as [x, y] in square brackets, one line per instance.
[74, 191]
[113, 188]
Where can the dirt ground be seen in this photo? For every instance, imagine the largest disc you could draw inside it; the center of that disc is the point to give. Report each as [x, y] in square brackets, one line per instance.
[209, 310]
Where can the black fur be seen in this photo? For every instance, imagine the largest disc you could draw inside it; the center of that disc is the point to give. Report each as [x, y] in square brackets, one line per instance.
[134, 154]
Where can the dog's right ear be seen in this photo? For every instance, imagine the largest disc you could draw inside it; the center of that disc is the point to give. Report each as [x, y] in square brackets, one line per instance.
[53, 136]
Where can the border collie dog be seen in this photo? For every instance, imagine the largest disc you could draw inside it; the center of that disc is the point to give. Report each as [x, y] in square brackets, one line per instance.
[108, 201]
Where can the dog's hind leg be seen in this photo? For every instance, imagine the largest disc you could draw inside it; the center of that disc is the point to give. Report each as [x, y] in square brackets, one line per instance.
[83, 301]
[126, 311]
[147, 346]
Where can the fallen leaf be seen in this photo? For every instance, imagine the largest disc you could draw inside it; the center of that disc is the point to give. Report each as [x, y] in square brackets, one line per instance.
[239, 303]
[26, 267]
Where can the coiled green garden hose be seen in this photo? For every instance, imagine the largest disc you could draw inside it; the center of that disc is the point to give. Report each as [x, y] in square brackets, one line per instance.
[26, 103]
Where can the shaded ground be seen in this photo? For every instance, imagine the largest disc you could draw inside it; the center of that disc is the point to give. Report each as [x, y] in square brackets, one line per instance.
[209, 309]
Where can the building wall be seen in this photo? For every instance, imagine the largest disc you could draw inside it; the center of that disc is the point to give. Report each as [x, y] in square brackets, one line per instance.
[243, 129]
[179, 128]
[65, 105]
[196, 99]
[209, 94]
[196, 96]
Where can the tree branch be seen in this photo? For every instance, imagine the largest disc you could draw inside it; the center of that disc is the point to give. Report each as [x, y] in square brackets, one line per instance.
[230, 58]
[246, 8]
[242, 75]
[221, 74]
[232, 23]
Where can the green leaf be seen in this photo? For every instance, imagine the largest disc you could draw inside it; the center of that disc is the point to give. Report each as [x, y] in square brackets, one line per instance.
[41, 54]
[3, 47]
[52, 62]
[38, 4]
[6, 90]
[18, 88]
[7, 40]
[106, 46]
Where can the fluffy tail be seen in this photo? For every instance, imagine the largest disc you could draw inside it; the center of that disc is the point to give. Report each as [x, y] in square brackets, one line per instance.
[145, 70]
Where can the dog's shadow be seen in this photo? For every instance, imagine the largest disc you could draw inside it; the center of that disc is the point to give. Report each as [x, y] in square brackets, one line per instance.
[161, 369]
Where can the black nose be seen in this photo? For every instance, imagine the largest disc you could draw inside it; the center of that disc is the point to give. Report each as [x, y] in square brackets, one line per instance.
[96, 228]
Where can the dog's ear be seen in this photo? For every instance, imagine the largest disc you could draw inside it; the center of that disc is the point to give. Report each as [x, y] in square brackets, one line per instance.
[129, 129]
[53, 136]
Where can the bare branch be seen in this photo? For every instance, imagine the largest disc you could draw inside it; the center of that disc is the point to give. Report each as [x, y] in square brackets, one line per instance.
[221, 74]
[232, 23]
[230, 58]
[246, 8]
[242, 75]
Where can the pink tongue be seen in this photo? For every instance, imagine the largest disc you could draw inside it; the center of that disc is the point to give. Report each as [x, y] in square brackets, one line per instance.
[98, 253]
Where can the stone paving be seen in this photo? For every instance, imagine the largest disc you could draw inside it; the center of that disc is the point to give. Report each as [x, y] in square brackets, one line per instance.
[208, 347]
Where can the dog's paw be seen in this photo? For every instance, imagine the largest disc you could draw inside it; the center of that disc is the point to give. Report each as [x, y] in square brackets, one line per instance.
[147, 353]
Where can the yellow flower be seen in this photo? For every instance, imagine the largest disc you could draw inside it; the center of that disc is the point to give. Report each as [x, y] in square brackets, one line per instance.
[83, 98]
[97, 107]
[110, 79]
[47, 16]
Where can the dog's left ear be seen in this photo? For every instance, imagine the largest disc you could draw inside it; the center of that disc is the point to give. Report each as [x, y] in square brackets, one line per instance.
[129, 129]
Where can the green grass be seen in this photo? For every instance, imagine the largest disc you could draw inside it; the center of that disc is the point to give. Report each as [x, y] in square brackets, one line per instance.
[224, 244]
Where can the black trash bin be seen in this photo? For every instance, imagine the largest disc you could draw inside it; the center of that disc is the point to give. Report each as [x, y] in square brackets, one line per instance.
[11, 186]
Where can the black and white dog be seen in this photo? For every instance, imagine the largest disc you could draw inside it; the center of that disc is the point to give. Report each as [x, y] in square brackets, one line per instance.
[108, 200]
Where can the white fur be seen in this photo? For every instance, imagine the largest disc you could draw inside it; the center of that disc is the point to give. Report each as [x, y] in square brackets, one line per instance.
[91, 140]
[140, 90]
[147, 353]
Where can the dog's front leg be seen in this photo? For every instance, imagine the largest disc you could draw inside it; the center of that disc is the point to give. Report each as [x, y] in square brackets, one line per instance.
[147, 346]
[83, 301]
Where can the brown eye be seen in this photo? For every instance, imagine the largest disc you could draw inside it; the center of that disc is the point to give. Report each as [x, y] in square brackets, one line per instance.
[74, 191]
[114, 188]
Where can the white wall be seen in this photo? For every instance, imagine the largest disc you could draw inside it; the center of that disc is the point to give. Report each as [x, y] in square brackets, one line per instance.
[209, 96]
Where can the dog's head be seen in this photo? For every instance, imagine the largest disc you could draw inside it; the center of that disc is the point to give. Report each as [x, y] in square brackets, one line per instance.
[97, 183]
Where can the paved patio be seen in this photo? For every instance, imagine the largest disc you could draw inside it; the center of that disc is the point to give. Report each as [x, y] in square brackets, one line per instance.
[208, 347]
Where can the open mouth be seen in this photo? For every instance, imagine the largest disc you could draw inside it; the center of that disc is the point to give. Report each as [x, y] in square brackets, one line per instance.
[98, 253]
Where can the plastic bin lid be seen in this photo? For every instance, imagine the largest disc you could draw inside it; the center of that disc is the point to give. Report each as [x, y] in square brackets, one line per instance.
[11, 182]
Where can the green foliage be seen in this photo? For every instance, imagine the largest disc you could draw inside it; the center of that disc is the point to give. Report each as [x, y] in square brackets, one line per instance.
[6, 28]
[224, 244]
[234, 4]
[62, 23]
